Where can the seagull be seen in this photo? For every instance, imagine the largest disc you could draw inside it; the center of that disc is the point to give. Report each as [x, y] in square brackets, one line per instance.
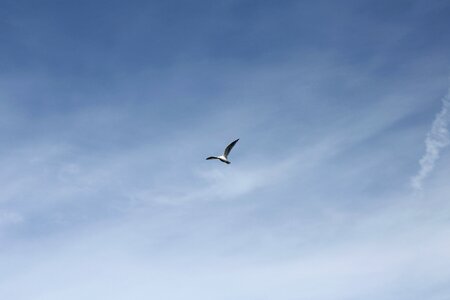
[224, 157]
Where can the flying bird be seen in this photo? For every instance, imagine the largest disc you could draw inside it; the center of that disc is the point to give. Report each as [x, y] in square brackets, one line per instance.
[224, 157]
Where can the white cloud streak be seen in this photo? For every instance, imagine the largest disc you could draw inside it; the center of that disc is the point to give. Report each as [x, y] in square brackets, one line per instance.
[437, 139]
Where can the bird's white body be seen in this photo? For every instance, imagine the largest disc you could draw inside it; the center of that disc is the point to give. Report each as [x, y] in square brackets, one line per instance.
[223, 159]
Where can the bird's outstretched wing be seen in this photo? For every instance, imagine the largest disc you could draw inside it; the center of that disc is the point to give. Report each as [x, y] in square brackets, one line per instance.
[229, 147]
[211, 157]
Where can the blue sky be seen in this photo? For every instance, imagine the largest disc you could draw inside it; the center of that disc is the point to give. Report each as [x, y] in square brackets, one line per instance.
[338, 187]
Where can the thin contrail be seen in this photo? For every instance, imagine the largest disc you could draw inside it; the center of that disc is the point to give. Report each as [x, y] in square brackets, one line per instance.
[437, 138]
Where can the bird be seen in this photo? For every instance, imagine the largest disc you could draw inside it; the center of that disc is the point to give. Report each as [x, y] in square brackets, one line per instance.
[224, 157]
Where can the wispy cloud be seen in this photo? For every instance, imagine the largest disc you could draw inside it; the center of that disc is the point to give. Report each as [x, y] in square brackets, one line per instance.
[437, 139]
[9, 217]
